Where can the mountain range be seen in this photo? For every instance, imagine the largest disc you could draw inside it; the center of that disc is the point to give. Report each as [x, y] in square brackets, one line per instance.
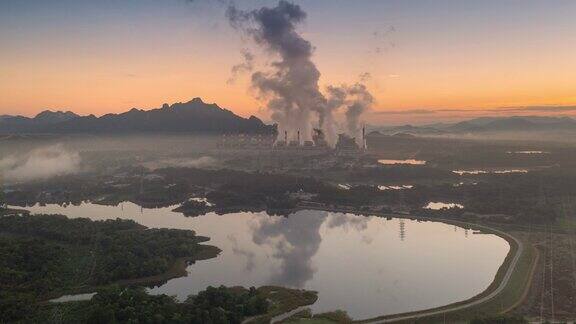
[194, 116]
[489, 125]
[198, 117]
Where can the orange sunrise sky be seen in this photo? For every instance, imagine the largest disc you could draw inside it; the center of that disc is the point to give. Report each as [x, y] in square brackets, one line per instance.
[428, 60]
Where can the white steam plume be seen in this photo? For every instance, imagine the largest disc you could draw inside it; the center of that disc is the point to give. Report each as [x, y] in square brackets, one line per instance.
[290, 87]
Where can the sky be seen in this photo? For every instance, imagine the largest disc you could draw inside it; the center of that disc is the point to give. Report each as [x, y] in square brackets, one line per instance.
[429, 60]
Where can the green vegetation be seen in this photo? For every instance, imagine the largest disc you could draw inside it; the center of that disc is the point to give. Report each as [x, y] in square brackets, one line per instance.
[47, 255]
[214, 305]
[3, 206]
[511, 198]
[134, 305]
[306, 317]
[220, 305]
[284, 300]
[192, 208]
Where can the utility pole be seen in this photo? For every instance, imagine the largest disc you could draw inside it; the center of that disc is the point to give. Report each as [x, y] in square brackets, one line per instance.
[3, 205]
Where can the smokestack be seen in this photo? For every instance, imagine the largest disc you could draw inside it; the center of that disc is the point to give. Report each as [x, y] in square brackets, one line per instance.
[298, 137]
[286, 137]
[364, 137]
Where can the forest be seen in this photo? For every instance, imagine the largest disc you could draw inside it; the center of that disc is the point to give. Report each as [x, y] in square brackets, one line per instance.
[48, 255]
[133, 305]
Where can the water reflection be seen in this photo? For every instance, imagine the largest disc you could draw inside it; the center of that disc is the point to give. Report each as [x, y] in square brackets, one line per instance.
[407, 161]
[442, 205]
[367, 266]
[402, 229]
[294, 240]
[401, 187]
[477, 172]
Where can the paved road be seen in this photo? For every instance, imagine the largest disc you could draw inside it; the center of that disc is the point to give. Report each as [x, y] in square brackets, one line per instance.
[474, 302]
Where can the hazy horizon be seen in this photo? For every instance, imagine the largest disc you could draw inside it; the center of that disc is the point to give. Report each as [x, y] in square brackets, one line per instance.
[530, 111]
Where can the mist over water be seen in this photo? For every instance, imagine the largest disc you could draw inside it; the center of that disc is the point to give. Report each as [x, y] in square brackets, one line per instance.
[200, 162]
[40, 163]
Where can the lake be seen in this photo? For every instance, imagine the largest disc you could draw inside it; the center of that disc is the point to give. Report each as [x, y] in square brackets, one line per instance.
[367, 266]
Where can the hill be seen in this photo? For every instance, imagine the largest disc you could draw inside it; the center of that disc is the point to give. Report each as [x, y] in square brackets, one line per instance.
[523, 124]
[194, 116]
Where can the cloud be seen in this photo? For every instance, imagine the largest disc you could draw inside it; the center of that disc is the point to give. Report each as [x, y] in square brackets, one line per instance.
[39, 164]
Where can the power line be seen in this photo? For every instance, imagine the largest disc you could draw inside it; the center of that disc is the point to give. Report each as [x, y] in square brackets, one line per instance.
[543, 290]
[570, 240]
[552, 275]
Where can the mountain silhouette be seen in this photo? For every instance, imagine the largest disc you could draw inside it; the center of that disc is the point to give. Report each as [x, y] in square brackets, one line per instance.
[194, 116]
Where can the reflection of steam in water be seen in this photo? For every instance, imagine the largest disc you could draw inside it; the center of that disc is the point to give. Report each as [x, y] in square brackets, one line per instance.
[249, 255]
[295, 240]
[347, 221]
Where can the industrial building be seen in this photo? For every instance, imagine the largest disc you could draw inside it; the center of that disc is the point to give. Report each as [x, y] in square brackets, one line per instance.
[345, 145]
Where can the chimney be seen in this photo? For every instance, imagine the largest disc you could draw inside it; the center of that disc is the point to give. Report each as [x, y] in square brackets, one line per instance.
[298, 137]
[286, 137]
[364, 137]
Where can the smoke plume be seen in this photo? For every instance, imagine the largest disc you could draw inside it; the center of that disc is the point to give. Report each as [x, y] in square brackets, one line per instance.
[290, 86]
[38, 164]
[246, 66]
[359, 101]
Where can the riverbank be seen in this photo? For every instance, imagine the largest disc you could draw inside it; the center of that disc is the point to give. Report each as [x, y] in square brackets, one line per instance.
[177, 270]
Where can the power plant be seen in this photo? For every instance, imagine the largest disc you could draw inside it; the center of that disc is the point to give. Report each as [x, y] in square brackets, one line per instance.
[345, 145]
